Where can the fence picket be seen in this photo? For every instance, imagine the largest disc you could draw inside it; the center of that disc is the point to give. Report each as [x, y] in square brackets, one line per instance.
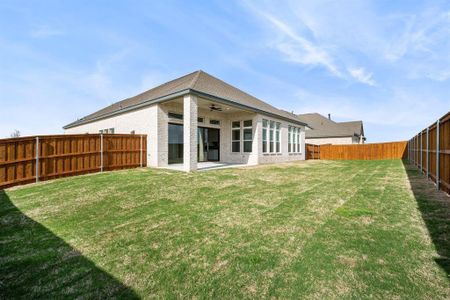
[32, 159]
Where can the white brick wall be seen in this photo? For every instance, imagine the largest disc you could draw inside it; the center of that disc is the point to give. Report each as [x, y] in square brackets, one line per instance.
[190, 111]
[142, 121]
[284, 155]
[153, 121]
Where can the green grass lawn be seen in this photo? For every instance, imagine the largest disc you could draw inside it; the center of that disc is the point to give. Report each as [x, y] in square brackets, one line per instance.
[316, 229]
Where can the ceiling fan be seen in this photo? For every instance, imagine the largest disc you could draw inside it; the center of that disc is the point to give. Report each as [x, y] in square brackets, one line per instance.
[213, 107]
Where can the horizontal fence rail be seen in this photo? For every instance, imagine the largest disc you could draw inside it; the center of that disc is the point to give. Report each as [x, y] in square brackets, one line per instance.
[429, 150]
[312, 151]
[375, 151]
[32, 159]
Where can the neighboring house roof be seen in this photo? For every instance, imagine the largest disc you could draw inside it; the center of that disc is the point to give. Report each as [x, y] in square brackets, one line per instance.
[198, 82]
[322, 127]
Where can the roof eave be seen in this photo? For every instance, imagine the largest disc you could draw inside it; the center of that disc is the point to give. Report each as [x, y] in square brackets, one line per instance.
[130, 108]
[178, 94]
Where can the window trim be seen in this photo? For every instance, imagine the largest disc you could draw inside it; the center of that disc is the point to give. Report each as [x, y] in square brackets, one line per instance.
[265, 142]
[277, 137]
[241, 140]
[232, 136]
[243, 136]
[294, 139]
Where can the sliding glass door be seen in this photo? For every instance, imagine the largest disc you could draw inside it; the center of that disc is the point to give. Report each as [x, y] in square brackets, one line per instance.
[213, 144]
[208, 145]
[175, 143]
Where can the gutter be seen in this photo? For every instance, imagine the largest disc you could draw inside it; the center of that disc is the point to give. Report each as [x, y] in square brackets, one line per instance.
[176, 95]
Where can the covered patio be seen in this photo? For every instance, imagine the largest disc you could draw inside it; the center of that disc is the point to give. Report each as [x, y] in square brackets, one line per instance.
[206, 134]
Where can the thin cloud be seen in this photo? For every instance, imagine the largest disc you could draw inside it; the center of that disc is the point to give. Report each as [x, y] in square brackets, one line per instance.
[295, 47]
[362, 76]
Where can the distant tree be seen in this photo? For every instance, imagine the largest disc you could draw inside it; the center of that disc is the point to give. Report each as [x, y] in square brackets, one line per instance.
[15, 133]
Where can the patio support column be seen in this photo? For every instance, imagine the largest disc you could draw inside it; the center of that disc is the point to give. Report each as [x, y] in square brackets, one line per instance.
[190, 108]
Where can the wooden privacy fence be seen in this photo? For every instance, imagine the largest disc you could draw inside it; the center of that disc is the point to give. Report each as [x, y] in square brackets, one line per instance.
[375, 151]
[429, 150]
[312, 151]
[38, 158]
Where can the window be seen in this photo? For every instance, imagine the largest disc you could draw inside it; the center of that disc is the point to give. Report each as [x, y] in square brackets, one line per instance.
[247, 136]
[277, 137]
[111, 130]
[200, 120]
[214, 122]
[271, 137]
[132, 132]
[175, 143]
[289, 139]
[264, 137]
[236, 136]
[294, 141]
[175, 116]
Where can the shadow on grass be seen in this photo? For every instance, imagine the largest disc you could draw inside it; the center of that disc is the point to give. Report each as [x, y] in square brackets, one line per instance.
[35, 263]
[434, 206]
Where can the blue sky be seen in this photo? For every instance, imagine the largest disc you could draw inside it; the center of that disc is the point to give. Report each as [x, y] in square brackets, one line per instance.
[384, 62]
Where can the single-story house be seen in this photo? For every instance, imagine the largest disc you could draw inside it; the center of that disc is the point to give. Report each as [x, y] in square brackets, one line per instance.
[322, 130]
[199, 118]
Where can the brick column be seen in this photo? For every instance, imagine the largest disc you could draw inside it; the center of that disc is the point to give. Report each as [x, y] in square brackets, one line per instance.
[190, 109]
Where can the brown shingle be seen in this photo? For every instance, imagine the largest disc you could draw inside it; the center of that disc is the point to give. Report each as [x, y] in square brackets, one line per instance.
[197, 81]
[324, 127]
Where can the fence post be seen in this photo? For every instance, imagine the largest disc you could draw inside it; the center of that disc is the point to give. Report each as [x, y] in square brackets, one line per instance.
[37, 159]
[410, 151]
[140, 155]
[437, 154]
[421, 152]
[101, 152]
[428, 152]
[319, 150]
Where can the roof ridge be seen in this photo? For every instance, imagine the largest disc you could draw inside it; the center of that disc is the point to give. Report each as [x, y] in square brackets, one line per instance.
[195, 79]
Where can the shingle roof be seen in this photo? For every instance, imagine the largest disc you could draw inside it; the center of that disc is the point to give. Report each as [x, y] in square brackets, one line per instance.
[197, 81]
[323, 127]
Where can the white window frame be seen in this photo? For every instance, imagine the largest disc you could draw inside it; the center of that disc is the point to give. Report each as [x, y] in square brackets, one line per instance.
[240, 136]
[272, 136]
[289, 139]
[278, 135]
[294, 139]
[243, 135]
[265, 142]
